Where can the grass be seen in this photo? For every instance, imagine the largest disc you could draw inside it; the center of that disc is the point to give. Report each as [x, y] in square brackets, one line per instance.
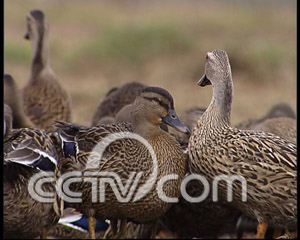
[96, 45]
[14, 52]
[133, 44]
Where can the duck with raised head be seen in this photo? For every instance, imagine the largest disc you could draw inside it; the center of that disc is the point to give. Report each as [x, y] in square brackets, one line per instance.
[44, 98]
[115, 100]
[13, 99]
[266, 161]
[28, 151]
[126, 155]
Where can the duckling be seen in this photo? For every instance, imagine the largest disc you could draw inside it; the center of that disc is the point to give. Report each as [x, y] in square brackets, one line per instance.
[115, 100]
[13, 99]
[127, 155]
[266, 161]
[278, 110]
[44, 98]
[28, 151]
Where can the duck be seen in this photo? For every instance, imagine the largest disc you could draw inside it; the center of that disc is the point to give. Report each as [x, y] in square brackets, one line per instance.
[44, 97]
[115, 100]
[126, 155]
[265, 161]
[203, 218]
[13, 99]
[278, 110]
[283, 127]
[28, 152]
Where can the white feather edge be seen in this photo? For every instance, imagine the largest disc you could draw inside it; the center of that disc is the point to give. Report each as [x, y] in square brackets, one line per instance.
[29, 163]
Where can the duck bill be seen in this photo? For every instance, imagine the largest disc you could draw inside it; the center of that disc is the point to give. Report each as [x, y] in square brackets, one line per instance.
[203, 81]
[173, 120]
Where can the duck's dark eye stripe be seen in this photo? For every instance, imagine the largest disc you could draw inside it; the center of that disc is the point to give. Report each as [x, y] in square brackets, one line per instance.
[165, 106]
[152, 99]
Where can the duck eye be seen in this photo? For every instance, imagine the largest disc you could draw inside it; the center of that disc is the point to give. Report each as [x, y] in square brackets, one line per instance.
[156, 100]
[173, 116]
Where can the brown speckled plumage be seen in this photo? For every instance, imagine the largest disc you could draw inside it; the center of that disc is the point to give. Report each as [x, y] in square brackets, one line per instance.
[266, 161]
[127, 155]
[115, 100]
[44, 98]
[26, 152]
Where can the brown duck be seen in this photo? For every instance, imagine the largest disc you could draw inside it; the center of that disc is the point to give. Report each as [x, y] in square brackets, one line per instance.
[127, 155]
[44, 98]
[115, 100]
[27, 151]
[266, 161]
[278, 110]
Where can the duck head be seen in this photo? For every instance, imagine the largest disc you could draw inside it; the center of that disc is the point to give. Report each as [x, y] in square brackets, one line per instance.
[36, 25]
[217, 68]
[156, 106]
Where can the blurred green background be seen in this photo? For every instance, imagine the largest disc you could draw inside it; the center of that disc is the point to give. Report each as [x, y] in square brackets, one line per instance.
[96, 45]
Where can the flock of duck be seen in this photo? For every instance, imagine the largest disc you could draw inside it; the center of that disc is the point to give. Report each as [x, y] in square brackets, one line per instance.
[39, 136]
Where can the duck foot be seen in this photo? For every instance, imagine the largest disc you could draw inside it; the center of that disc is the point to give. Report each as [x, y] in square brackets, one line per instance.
[261, 230]
[92, 226]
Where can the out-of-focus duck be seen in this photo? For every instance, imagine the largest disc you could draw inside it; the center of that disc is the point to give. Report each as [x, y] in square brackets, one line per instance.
[44, 98]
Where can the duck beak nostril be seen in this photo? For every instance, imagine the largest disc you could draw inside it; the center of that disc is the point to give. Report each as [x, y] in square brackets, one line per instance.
[173, 120]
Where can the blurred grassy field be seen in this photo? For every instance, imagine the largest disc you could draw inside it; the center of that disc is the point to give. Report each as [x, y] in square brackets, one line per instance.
[96, 45]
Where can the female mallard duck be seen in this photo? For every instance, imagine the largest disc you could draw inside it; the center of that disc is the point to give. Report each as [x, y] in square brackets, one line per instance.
[44, 98]
[278, 110]
[27, 151]
[266, 161]
[13, 99]
[127, 155]
[115, 100]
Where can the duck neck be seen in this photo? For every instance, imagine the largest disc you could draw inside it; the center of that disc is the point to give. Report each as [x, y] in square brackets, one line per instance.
[41, 58]
[221, 102]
